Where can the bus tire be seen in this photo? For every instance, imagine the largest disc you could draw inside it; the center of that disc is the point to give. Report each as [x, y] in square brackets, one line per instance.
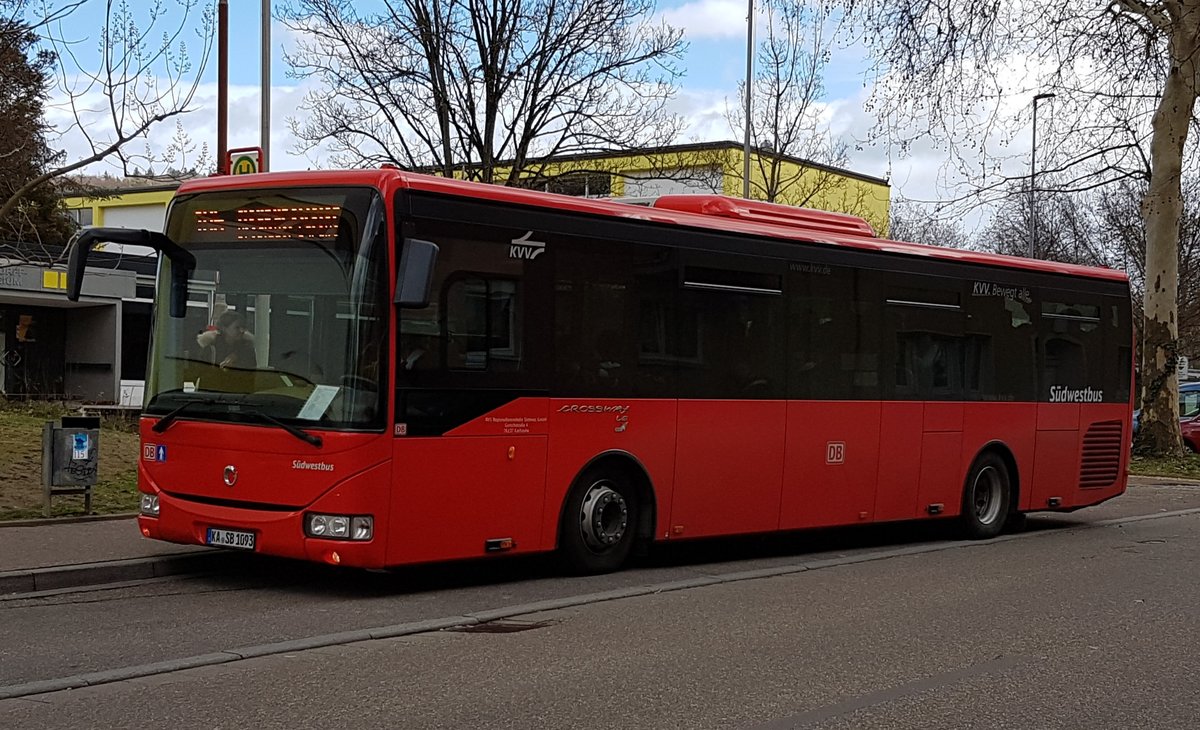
[599, 522]
[986, 498]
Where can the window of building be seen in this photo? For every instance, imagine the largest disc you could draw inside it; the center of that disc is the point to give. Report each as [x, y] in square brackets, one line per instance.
[579, 184]
[81, 216]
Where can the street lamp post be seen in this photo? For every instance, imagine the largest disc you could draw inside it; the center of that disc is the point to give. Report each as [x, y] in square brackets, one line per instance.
[223, 87]
[749, 81]
[1032, 174]
[265, 95]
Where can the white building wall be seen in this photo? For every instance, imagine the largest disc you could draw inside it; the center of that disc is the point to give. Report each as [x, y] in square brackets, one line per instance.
[673, 182]
[151, 217]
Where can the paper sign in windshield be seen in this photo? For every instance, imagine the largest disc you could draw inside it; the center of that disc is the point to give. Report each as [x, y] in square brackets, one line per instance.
[316, 404]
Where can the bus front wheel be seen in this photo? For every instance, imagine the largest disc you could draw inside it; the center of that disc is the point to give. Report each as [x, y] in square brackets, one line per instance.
[599, 523]
[986, 498]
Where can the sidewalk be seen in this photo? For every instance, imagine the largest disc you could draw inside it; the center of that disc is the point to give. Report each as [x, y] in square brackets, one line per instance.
[61, 554]
[72, 543]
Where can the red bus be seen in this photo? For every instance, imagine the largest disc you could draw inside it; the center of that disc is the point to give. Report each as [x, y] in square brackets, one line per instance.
[409, 369]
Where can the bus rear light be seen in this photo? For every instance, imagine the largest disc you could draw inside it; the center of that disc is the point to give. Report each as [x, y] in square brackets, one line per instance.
[149, 506]
[339, 527]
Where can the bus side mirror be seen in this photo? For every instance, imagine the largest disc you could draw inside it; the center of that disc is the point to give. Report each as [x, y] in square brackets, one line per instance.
[414, 279]
[182, 260]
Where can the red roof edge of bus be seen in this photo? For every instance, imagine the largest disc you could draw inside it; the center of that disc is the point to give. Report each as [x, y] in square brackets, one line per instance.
[388, 179]
[763, 212]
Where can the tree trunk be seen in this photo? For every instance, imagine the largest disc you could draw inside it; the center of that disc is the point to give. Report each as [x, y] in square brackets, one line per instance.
[1162, 207]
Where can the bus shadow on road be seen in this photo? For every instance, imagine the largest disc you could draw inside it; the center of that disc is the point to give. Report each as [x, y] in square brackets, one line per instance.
[661, 562]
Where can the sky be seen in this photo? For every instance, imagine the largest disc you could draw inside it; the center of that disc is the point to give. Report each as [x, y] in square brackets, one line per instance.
[714, 64]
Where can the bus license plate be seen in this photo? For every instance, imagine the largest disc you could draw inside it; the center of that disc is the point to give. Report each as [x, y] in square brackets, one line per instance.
[231, 538]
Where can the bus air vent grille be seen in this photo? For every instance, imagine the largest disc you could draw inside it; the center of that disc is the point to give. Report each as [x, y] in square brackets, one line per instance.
[1101, 461]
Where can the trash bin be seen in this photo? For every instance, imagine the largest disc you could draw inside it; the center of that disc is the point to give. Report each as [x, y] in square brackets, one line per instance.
[70, 459]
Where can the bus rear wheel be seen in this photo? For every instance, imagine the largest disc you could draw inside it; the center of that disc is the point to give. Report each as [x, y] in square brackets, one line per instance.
[987, 498]
[599, 523]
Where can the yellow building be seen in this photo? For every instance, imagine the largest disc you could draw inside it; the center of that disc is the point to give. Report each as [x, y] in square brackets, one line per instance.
[704, 167]
[715, 167]
[124, 207]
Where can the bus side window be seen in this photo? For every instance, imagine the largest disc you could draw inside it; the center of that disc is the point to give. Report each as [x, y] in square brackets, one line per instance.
[482, 324]
[1001, 354]
[1072, 342]
[833, 333]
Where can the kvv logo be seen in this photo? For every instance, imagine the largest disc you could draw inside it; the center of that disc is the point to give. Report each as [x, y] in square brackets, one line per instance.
[523, 248]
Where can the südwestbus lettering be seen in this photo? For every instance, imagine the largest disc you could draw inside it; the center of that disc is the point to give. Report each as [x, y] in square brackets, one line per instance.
[1063, 394]
[311, 465]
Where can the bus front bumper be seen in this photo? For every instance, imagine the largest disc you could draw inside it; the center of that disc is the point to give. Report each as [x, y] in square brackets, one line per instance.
[268, 532]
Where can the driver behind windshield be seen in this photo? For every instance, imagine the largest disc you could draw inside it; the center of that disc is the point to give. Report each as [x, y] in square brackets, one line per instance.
[231, 344]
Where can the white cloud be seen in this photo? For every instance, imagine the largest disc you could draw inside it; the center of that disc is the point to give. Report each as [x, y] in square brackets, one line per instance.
[709, 18]
[200, 125]
[704, 110]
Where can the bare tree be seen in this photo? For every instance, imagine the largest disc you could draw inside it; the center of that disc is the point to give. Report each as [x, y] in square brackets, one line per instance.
[1067, 228]
[911, 221]
[480, 88]
[140, 74]
[180, 158]
[1119, 224]
[1126, 77]
[785, 112]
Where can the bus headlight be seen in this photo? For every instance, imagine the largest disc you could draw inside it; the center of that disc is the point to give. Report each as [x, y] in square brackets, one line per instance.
[149, 505]
[339, 527]
[361, 528]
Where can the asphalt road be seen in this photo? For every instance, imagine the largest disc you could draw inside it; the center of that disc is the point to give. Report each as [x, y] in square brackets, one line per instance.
[1079, 624]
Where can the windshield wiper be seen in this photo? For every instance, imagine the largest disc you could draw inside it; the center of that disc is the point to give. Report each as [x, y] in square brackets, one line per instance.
[173, 415]
[165, 422]
[299, 433]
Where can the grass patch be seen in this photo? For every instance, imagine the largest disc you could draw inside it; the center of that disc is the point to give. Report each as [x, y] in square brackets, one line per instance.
[21, 463]
[1183, 467]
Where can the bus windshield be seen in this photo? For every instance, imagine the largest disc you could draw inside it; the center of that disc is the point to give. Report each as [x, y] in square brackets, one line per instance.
[287, 310]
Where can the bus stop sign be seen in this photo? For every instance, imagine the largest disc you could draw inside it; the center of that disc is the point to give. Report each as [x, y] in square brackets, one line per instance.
[245, 160]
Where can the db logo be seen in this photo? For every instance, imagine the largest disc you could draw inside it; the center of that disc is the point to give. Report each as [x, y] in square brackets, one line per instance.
[148, 452]
[835, 452]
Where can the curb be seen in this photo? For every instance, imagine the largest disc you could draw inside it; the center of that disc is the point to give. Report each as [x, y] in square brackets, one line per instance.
[14, 583]
[1138, 480]
[51, 521]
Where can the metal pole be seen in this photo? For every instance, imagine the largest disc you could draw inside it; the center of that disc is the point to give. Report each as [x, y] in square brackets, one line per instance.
[749, 81]
[266, 86]
[223, 87]
[1032, 178]
[1032, 173]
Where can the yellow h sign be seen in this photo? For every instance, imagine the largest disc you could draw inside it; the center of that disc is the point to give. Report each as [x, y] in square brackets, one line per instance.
[244, 161]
